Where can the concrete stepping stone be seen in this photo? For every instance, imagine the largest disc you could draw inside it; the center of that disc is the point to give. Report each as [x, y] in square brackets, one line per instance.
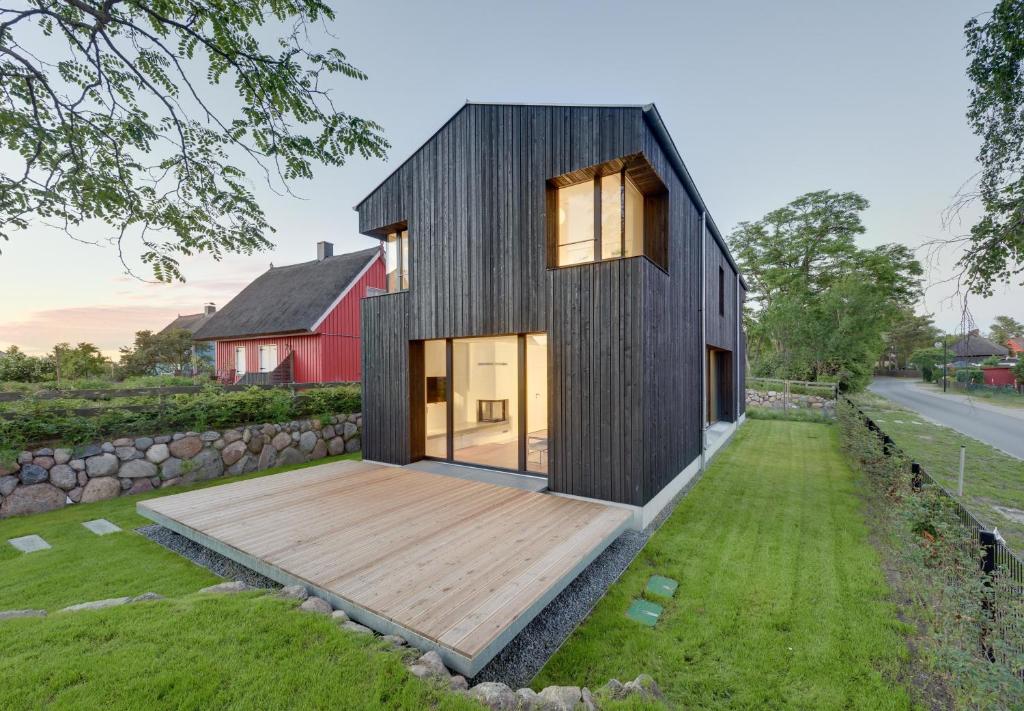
[101, 526]
[644, 612]
[29, 544]
[660, 586]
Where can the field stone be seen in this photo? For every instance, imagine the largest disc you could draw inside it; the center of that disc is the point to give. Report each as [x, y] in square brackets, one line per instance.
[296, 436]
[281, 440]
[255, 444]
[24, 457]
[353, 445]
[8, 484]
[102, 465]
[97, 604]
[147, 597]
[394, 640]
[100, 489]
[267, 458]
[340, 616]
[186, 447]
[243, 466]
[15, 614]
[643, 686]
[32, 499]
[219, 444]
[269, 430]
[458, 683]
[289, 456]
[143, 443]
[293, 592]
[33, 474]
[171, 482]
[233, 452]
[44, 461]
[44, 452]
[430, 665]
[349, 430]
[162, 439]
[126, 484]
[351, 626]
[123, 442]
[232, 586]
[319, 451]
[137, 469]
[61, 456]
[158, 453]
[209, 436]
[141, 486]
[231, 436]
[77, 464]
[127, 454]
[307, 442]
[63, 476]
[76, 494]
[89, 450]
[495, 695]
[336, 446]
[11, 468]
[560, 698]
[316, 605]
[208, 465]
[328, 432]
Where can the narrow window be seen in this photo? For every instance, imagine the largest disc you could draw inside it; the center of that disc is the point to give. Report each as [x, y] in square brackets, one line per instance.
[576, 224]
[240, 360]
[721, 292]
[619, 231]
[396, 257]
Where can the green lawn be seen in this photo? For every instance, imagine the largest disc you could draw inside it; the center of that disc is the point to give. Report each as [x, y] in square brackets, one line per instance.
[82, 566]
[781, 602]
[992, 478]
[203, 652]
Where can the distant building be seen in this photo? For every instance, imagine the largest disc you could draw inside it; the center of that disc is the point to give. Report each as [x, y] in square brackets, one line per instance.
[204, 350]
[1016, 346]
[298, 323]
[974, 348]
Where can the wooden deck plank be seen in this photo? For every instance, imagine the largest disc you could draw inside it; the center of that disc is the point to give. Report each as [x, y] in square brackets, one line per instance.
[460, 565]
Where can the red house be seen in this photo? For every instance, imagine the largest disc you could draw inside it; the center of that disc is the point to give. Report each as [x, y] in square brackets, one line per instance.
[1016, 346]
[296, 324]
[1000, 375]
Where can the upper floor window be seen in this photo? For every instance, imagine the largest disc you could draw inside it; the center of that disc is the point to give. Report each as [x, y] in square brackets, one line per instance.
[619, 231]
[721, 292]
[610, 211]
[396, 257]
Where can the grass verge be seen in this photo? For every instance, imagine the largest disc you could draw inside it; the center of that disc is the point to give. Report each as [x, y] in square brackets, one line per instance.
[781, 600]
[992, 477]
[82, 566]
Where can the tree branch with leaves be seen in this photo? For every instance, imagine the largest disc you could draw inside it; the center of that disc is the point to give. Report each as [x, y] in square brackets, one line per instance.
[107, 108]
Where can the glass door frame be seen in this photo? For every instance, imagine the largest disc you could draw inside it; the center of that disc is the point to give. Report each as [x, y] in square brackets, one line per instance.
[521, 410]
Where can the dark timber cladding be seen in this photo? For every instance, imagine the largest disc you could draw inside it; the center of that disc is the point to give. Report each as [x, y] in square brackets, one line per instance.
[625, 358]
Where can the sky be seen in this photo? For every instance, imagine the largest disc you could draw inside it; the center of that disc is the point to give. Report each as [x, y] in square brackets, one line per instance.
[766, 101]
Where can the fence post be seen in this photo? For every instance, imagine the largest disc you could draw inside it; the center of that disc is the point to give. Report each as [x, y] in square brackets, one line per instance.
[915, 479]
[960, 481]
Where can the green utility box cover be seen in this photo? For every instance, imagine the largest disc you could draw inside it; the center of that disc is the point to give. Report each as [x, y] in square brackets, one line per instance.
[646, 613]
[662, 586]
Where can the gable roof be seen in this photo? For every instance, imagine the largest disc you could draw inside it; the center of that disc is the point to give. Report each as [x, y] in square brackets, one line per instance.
[974, 346]
[1016, 344]
[651, 117]
[188, 322]
[290, 299]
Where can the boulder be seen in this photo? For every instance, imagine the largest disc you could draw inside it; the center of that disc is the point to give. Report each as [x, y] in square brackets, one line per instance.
[209, 436]
[61, 456]
[495, 695]
[336, 446]
[143, 443]
[158, 453]
[45, 461]
[233, 452]
[173, 468]
[141, 486]
[147, 597]
[255, 443]
[100, 489]
[429, 666]
[643, 687]
[207, 465]
[35, 498]
[316, 606]
[8, 468]
[126, 454]
[219, 444]
[105, 464]
[33, 474]
[589, 702]
[44, 452]
[339, 616]
[458, 683]
[123, 442]
[281, 440]
[76, 494]
[137, 469]
[126, 484]
[63, 476]
[89, 450]
[171, 482]
[307, 442]
[230, 587]
[353, 445]
[319, 451]
[231, 436]
[77, 464]
[328, 432]
[186, 447]
[8, 484]
[24, 457]
[394, 640]
[15, 614]
[356, 627]
[267, 458]
[97, 604]
[289, 456]
[243, 466]
[162, 439]
[349, 430]
[293, 592]
[269, 430]
[560, 698]
[530, 700]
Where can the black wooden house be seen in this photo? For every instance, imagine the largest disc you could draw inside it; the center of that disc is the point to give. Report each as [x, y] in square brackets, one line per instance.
[559, 303]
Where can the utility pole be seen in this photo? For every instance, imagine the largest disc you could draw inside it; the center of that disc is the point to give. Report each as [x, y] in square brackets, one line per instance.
[945, 360]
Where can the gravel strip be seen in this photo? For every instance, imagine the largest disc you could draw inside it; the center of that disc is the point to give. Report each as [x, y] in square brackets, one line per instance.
[200, 555]
[519, 662]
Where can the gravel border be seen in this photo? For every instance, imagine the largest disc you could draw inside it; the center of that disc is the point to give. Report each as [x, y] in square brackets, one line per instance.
[523, 657]
[203, 556]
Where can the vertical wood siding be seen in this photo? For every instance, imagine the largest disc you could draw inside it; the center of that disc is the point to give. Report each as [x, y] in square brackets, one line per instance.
[624, 352]
[340, 331]
[307, 368]
[385, 350]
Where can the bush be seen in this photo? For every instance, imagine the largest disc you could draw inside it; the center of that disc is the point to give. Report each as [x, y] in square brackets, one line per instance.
[973, 376]
[792, 414]
[49, 421]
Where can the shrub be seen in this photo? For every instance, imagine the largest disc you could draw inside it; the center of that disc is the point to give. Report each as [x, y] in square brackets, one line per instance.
[791, 414]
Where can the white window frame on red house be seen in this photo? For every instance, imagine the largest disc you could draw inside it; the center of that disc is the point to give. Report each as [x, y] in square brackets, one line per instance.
[239, 362]
[267, 363]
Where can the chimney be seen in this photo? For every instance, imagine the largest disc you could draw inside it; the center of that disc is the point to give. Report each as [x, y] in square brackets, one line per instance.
[324, 250]
[209, 308]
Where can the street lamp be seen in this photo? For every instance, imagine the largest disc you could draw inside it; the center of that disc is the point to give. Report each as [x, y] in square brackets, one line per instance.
[945, 360]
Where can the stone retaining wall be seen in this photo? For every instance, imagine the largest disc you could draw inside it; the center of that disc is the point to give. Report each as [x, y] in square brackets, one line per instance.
[779, 400]
[47, 479]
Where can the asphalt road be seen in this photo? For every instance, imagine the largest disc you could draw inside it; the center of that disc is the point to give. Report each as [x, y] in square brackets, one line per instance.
[1001, 427]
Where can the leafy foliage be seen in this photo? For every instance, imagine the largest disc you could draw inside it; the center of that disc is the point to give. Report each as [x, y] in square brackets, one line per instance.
[996, 114]
[82, 361]
[820, 306]
[16, 366]
[1004, 328]
[925, 360]
[121, 113]
[172, 349]
[908, 333]
[214, 408]
[1018, 370]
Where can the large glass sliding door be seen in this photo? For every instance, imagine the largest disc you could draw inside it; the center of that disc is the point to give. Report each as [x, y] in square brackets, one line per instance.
[485, 401]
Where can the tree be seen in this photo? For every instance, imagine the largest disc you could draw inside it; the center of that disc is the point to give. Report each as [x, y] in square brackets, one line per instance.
[116, 109]
[16, 366]
[907, 333]
[82, 361]
[1004, 328]
[1018, 371]
[820, 306]
[995, 51]
[925, 359]
[150, 350]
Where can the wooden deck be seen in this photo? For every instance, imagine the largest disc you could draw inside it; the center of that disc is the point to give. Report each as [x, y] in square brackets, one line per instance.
[450, 564]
